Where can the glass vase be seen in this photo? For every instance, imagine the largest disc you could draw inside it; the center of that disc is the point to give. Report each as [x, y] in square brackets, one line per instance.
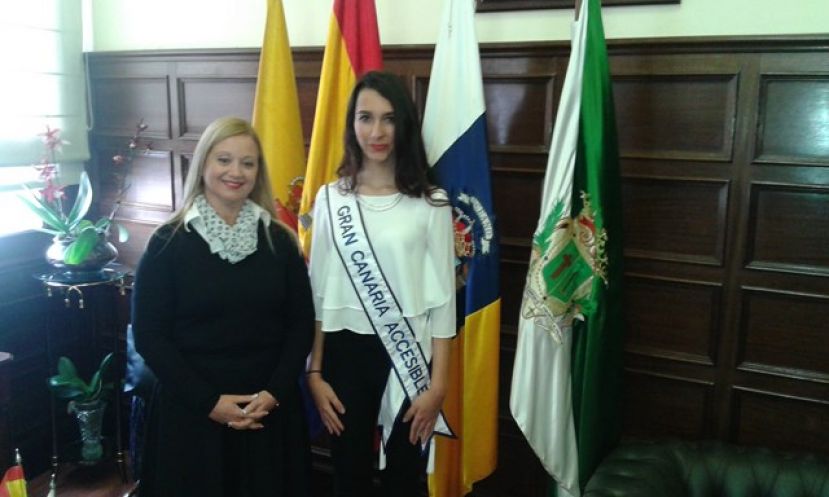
[102, 254]
[90, 417]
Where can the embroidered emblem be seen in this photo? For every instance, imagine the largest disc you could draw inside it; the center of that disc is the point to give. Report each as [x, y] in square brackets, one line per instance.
[473, 234]
[295, 194]
[567, 255]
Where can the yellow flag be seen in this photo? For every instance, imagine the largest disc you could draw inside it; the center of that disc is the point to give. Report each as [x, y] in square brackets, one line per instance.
[352, 49]
[276, 116]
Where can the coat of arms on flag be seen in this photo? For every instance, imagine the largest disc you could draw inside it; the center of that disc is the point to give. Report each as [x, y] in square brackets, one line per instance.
[567, 255]
[473, 234]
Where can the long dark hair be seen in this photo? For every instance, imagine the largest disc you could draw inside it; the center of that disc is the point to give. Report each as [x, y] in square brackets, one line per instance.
[411, 171]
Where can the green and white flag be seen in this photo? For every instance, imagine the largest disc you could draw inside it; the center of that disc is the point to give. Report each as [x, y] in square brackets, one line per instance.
[565, 382]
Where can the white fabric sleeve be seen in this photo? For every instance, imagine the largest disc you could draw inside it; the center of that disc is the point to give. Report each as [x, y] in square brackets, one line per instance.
[320, 253]
[441, 248]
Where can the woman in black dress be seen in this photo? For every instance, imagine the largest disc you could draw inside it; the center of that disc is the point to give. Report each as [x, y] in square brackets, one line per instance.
[223, 315]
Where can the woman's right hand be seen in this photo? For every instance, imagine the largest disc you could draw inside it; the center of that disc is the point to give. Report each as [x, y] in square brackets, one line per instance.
[328, 404]
[229, 411]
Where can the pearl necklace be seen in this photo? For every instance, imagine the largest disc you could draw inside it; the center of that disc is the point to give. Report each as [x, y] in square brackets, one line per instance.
[378, 207]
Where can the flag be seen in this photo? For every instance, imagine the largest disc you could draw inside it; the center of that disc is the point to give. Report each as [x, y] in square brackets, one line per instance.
[565, 382]
[14, 481]
[352, 49]
[276, 116]
[454, 134]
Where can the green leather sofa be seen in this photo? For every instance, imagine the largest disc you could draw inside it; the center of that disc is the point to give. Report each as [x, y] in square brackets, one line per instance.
[707, 469]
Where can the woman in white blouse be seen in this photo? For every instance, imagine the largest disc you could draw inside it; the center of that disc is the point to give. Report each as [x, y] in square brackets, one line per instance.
[363, 373]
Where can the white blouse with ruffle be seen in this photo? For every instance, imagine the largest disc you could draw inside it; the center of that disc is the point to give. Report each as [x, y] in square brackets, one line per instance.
[413, 242]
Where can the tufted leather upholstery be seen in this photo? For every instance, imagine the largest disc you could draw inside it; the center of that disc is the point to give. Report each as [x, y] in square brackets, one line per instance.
[707, 469]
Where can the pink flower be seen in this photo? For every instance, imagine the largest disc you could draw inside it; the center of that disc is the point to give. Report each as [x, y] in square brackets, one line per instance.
[51, 138]
[47, 171]
[52, 192]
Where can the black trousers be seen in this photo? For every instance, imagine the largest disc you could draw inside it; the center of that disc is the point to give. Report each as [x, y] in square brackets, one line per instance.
[357, 366]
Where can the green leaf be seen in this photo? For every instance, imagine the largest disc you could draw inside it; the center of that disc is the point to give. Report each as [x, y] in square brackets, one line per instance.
[94, 389]
[105, 363]
[123, 234]
[85, 224]
[66, 368]
[68, 385]
[43, 211]
[78, 250]
[96, 385]
[67, 390]
[82, 202]
[102, 224]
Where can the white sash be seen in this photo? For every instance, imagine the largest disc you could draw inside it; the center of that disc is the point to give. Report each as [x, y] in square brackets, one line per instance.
[382, 309]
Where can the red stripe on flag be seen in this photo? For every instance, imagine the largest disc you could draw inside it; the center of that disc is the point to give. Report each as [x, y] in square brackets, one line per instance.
[358, 25]
[14, 473]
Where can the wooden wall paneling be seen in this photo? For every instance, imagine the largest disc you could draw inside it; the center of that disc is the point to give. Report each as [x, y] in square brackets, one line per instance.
[519, 112]
[659, 405]
[673, 319]
[150, 197]
[120, 102]
[676, 105]
[307, 89]
[211, 87]
[675, 219]
[793, 127]
[206, 98]
[789, 228]
[23, 318]
[689, 117]
[509, 186]
[513, 275]
[784, 334]
[783, 188]
[769, 419]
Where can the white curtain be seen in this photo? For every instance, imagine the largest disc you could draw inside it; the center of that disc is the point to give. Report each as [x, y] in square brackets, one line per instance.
[43, 80]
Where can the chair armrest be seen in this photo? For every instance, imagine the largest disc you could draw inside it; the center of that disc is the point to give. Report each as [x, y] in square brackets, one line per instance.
[641, 469]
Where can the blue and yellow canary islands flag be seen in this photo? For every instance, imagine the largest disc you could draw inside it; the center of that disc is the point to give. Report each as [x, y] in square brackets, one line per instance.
[565, 382]
[454, 133]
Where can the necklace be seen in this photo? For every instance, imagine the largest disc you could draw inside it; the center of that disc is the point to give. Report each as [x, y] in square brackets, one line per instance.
[377, 206]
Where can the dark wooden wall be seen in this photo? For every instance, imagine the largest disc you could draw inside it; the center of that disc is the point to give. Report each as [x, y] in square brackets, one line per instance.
[36, 329]
[22, 333]
[725, 162]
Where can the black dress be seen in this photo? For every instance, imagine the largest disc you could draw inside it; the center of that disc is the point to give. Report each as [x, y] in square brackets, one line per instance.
[207, 327]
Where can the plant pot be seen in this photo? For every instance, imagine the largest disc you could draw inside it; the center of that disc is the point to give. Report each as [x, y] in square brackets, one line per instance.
[90, 268]
[90, 416]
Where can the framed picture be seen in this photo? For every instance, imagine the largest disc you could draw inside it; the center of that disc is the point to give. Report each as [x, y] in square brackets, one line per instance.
[500, 5]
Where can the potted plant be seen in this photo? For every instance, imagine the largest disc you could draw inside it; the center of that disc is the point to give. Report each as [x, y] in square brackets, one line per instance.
[86, 402]
[80, 246]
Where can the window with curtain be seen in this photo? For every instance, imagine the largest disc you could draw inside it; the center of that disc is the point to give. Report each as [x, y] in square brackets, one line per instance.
[43, 83]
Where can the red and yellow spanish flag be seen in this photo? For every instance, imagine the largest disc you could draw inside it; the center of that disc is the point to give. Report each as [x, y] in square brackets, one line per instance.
[352, 49]
[276, 116]
[14, 482]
